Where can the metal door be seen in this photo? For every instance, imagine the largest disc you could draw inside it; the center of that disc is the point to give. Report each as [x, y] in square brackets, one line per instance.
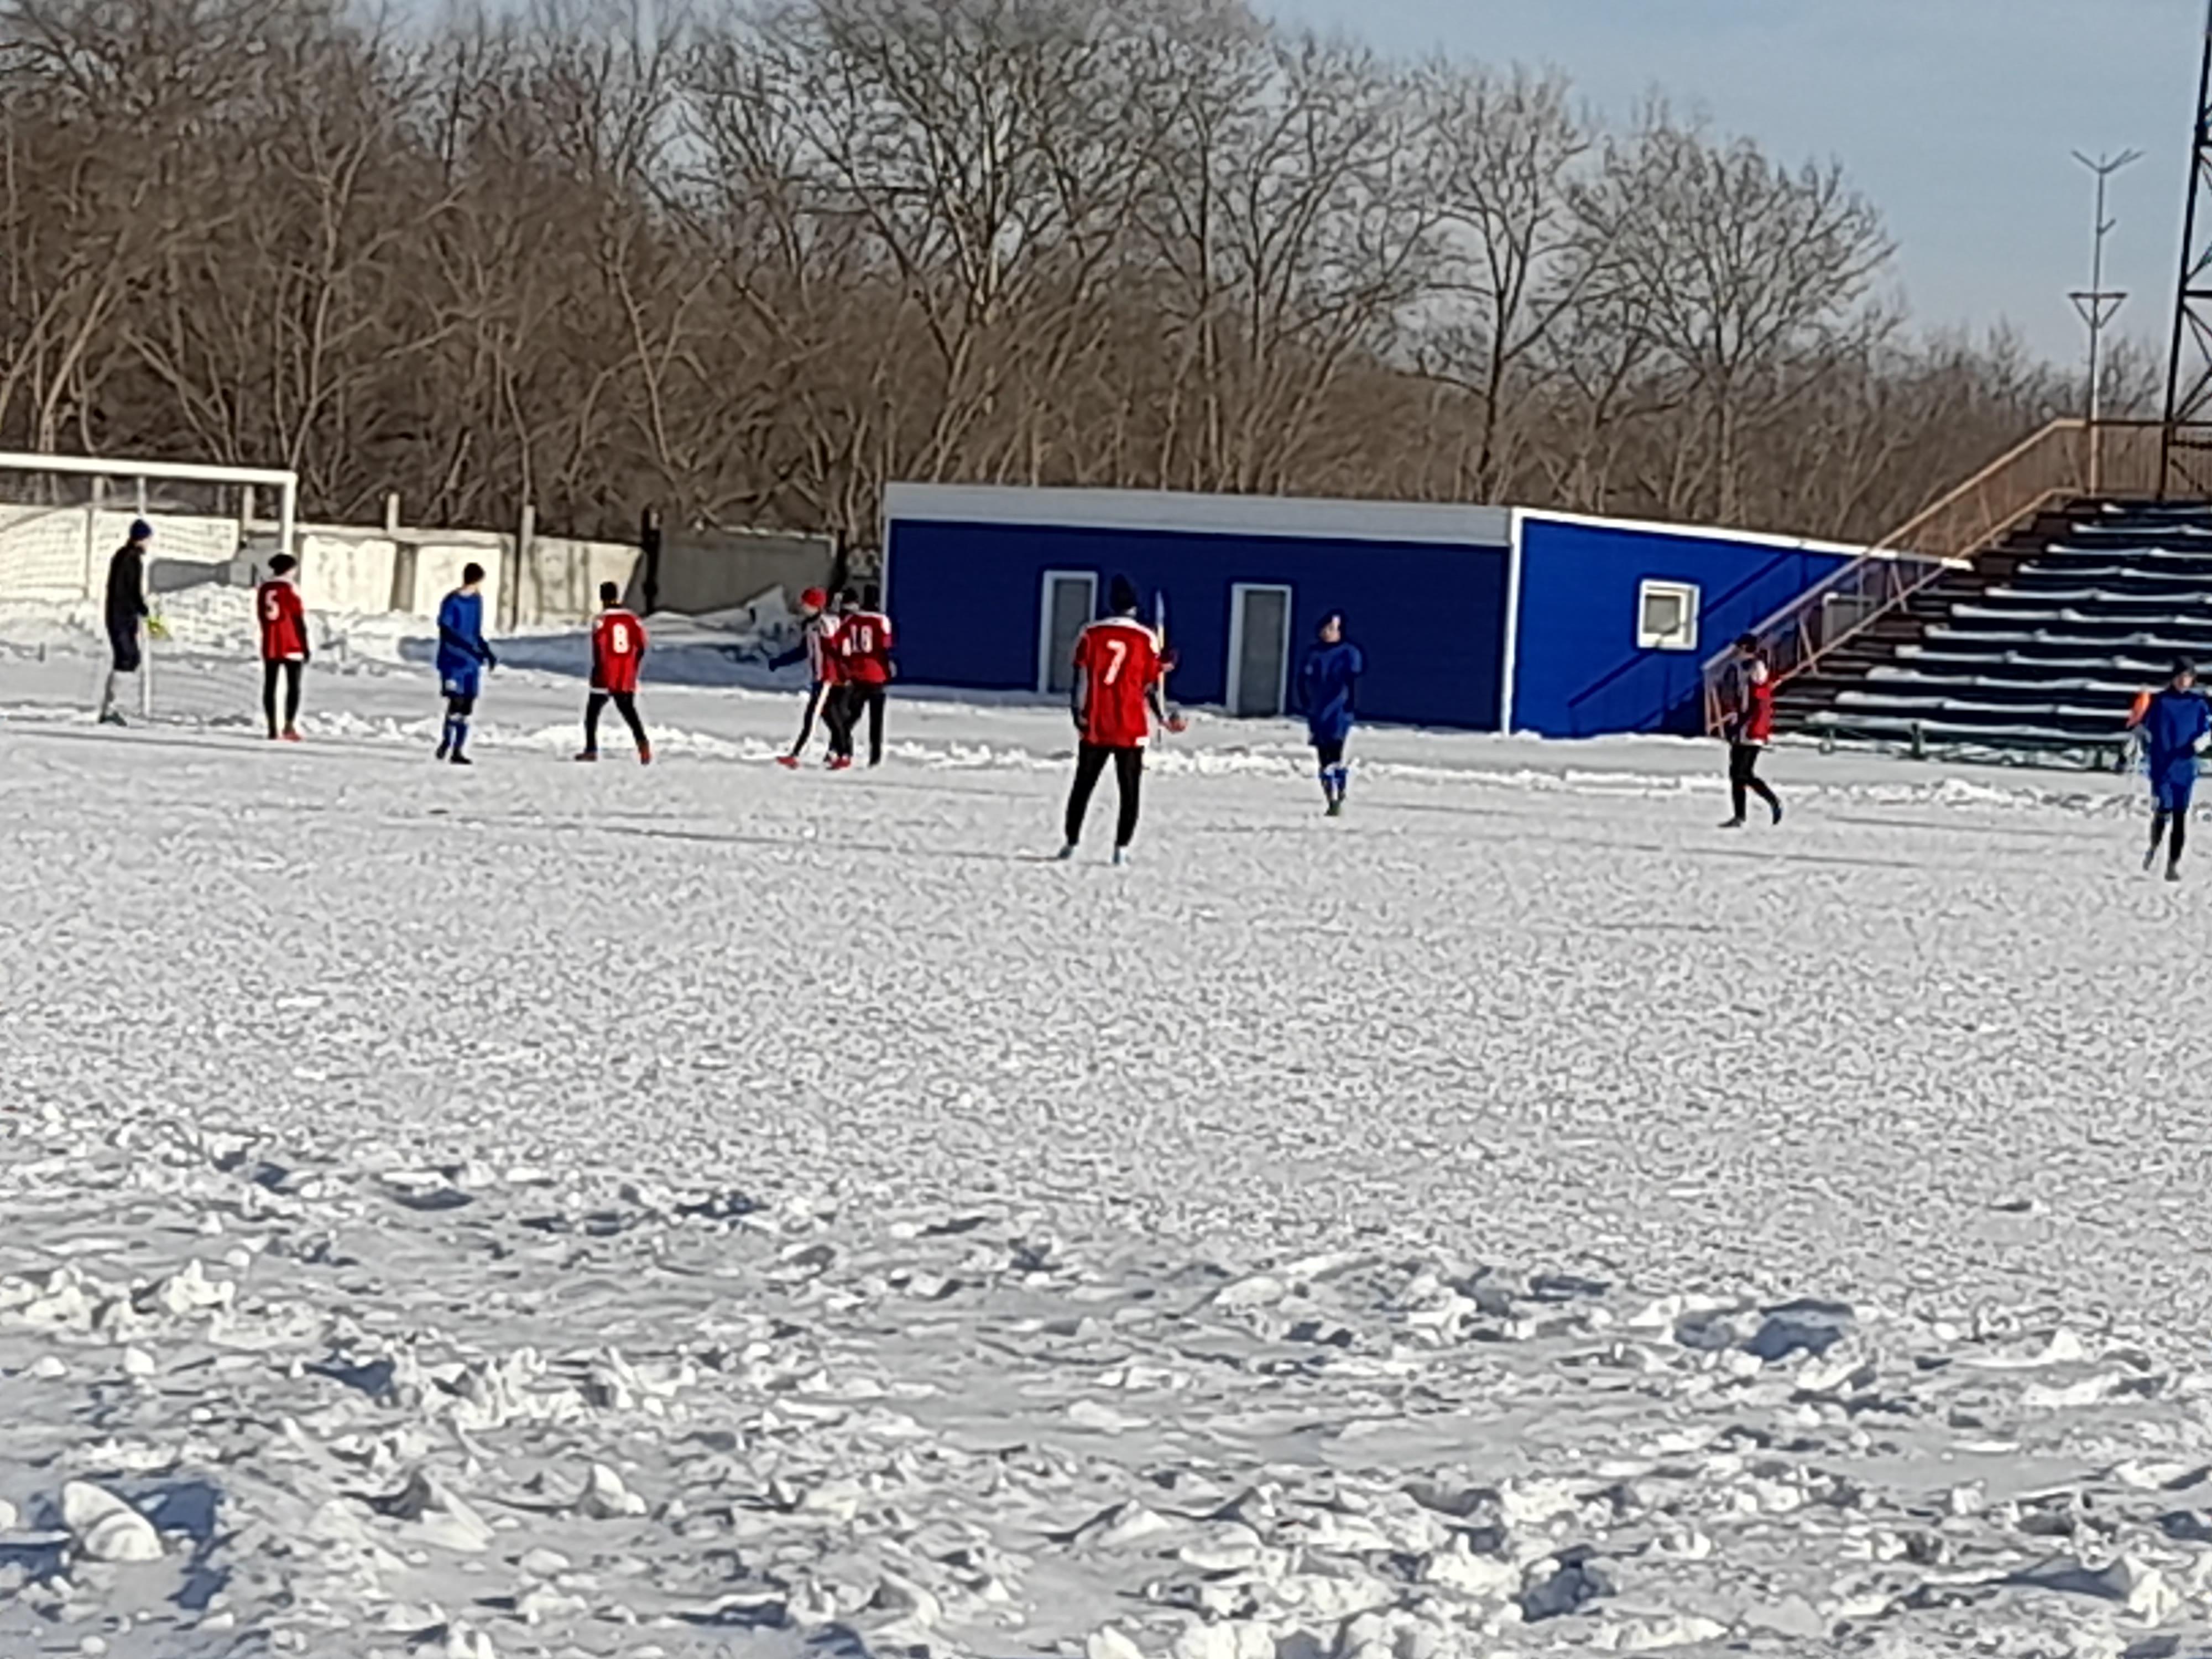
[1259, 649]
[1071, 601]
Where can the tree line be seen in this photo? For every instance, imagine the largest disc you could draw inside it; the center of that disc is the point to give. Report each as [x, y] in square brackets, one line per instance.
[748, 263]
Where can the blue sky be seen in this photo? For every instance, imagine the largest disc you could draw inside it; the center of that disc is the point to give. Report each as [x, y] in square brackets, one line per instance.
[1958, 118]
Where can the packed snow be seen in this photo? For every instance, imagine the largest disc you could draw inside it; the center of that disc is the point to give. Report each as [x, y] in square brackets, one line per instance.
[710, 1210]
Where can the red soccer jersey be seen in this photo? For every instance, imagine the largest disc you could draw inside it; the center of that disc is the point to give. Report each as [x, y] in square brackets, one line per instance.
[284, 622]
[1117, 664]
[864, 648]
[1756, 723]
[617, 651]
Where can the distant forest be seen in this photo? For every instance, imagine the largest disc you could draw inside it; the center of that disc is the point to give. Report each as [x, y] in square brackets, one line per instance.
[748, 263]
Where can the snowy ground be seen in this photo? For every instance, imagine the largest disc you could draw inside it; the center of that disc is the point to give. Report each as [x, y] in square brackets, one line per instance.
[703, 1210]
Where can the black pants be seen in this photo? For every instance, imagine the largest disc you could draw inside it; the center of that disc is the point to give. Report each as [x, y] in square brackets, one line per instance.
[625, 704]
[819, 699]
[273, 671]
[122, 643]
[837, 714]
[1743, 776]
[865, 700]
[1091, 760]
[2164, 824]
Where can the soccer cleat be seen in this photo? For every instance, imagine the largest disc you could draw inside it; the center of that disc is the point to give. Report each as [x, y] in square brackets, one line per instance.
[291, 734]
[1066, 852]
[645, 754]
[445, 748]
[789, 762]
[1778, 815]
[1336, 809]
[2173, 872]
[1121, 855]
[587, 754]
[1733, 824]
[841, 762]
[111, 717]
[2150, 857]
[460, 759]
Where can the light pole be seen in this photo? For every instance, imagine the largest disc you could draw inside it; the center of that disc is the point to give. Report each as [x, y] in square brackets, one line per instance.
[2098, 305]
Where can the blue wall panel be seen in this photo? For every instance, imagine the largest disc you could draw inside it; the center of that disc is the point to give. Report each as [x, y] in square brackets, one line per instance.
[967, 597]
[1580, 673]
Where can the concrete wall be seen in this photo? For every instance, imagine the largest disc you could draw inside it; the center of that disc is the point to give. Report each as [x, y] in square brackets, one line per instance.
[703, 571]
[61, 554]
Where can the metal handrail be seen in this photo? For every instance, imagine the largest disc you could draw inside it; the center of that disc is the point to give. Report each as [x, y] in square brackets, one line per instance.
[2064, 461]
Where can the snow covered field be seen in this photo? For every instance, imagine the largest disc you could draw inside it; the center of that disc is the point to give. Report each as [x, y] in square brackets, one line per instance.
[703, 1210]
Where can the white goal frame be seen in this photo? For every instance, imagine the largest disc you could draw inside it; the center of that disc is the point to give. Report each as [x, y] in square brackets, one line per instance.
[282, 480]
[250, 480]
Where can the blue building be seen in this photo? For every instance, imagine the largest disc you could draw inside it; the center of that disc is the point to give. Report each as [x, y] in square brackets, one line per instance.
[1488, 618]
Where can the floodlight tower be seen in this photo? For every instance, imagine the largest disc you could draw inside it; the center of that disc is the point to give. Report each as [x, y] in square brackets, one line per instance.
[2099, 305]
[2186, 442]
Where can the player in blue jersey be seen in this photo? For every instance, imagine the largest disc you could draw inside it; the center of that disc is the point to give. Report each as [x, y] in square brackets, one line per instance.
[463, 656]
[2175, 725]
[1326, 684]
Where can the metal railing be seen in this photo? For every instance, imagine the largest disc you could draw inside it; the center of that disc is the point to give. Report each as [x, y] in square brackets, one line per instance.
[2066, 461]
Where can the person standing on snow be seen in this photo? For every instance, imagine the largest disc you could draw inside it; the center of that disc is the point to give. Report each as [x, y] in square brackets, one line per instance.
[818, 641]
[2175, 725]
[1750, 729]
[1326, 683]
[463, 656]
[125, 614]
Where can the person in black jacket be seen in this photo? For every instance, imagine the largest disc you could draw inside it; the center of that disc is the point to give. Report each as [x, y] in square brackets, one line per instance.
[126, 615]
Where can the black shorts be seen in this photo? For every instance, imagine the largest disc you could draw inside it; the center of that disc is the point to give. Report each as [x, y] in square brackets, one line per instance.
[122, 641]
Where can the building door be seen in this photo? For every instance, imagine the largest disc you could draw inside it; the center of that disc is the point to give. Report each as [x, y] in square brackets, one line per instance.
[1071, 601]
[1259, 649]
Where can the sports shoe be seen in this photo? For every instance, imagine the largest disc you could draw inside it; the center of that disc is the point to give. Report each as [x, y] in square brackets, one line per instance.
[1121, 855]
[1733, 824]
[587, 754]
[1336, 809]
[291, 734]
[461, 759]
[444, 749]
[2173, 872]
[1778, 814]
[111, 717]
[645, 754]
[789, 762]
[1066, 852]
[841, 762]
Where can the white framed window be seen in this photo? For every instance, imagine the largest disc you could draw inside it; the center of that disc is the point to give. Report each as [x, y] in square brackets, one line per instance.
[1667, 616]
[1069, 603]
[1259, 648]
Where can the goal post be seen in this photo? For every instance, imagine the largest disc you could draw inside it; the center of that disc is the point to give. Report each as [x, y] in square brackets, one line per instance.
[215, 528]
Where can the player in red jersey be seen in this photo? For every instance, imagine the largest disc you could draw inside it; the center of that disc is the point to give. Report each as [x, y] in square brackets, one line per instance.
[1750, 729]
[838, 709]
[617, 655]
[284, 651]
[864, 654]
[818, 647]
[1117, 699]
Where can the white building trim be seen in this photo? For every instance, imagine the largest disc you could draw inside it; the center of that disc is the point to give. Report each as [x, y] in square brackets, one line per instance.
[1510, 659]
[1172, 512]
[1744, 537]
